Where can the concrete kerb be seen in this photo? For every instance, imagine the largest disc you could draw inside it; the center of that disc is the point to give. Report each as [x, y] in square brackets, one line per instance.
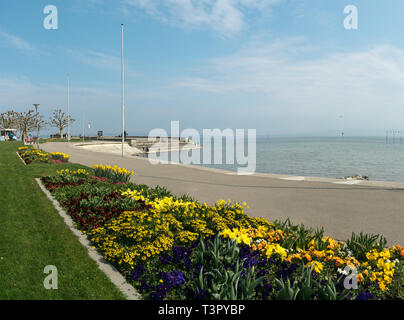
[114, 275]
[21, 158]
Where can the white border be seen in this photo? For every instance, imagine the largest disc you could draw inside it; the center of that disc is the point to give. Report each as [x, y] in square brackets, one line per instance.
[114, 275]
[20, 158]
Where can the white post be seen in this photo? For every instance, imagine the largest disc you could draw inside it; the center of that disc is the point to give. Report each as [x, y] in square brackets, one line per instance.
[122, 92]
[68, 109]
[84, 106]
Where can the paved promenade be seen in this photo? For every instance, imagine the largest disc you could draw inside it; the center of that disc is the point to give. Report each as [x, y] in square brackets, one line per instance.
[369, 207]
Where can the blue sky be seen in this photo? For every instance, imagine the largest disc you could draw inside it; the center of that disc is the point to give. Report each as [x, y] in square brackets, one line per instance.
[278, 66]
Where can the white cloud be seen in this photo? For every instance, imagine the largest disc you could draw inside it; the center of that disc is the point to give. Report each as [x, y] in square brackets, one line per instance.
[280, 66]
[96, 59]
[16, 42]
[101, 60]
[226, 17]
[284, 78]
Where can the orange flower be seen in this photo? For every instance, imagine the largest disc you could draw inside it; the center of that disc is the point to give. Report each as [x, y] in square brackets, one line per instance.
[319, 254]
[351, 261]
[260, 245]
[338, 261]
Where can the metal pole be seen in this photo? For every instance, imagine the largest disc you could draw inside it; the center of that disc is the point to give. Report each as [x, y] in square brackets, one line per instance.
[122, 91]
[83, 117]
[68, 108]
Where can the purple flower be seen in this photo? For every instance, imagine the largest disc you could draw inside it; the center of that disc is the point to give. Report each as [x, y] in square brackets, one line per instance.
[173, 279]
[157, 296]
[286, 270]
[165, 258]
[197, 270]
[251, 258]
[188, 263]
[202, 294]
[266, 289]
[137, 272]
[180, 253]
[144, 287]
[365, 296]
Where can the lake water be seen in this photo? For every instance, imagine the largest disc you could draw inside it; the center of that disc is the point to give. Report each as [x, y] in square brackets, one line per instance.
[333, 157]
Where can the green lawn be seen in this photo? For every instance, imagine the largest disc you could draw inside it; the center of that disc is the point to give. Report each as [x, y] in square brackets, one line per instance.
[33, 235]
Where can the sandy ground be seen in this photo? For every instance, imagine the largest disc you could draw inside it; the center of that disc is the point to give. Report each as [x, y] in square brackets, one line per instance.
[116, 148]
[340, 207]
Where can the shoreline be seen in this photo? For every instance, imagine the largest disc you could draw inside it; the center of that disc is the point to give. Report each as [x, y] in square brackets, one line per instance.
[370, 207]
[297, 178]
[372, 183]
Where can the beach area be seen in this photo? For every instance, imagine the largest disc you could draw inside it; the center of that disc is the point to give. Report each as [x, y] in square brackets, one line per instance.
[202, 158]
[340, 206]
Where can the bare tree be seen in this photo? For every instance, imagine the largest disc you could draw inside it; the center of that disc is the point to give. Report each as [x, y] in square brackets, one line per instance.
[60, 120]
[8, 120]
[40, 123]
[26, 122]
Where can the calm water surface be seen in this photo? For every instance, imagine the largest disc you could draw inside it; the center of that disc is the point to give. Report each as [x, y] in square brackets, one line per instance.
[328, 157]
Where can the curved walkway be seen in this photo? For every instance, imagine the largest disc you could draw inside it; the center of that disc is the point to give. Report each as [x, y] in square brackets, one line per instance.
[340, 208]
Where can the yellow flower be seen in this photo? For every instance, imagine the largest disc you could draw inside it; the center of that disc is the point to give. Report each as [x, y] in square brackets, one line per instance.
[271, 249]
[373, 277]
[318, 266]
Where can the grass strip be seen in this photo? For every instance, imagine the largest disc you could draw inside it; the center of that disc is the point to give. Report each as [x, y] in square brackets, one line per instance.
[33, 235]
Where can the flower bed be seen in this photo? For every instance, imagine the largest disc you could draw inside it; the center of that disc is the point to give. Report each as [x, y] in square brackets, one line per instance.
[59, 157]
[114, 173]
[176, 248]
[33, 155]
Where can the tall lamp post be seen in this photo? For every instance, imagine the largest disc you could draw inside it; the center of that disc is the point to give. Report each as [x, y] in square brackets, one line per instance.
[122, 91]
[36, 105]
[68, 108]
[83, 116]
